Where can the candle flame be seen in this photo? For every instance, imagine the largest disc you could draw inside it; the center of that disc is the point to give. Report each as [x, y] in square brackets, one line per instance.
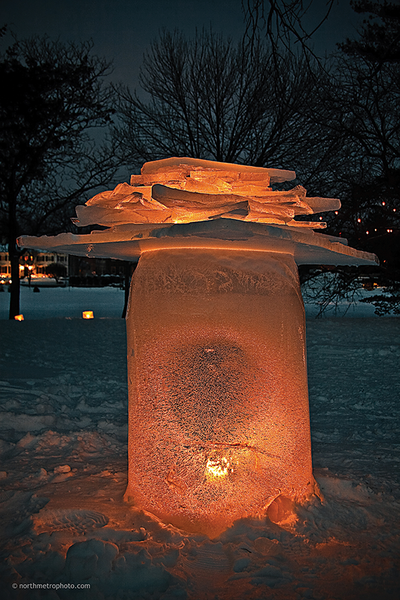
[87, 314]
[217, 468]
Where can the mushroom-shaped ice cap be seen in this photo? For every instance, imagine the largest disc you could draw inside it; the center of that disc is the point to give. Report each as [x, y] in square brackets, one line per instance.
[183, 202]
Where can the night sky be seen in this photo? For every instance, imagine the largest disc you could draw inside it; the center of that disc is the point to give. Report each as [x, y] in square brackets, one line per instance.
[122, 29]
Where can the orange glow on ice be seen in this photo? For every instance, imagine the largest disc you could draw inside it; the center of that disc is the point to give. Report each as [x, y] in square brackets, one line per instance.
[218, 408]
[19, 317]
[185, 190]
[217, 467]
[219, 426]
[87, 314]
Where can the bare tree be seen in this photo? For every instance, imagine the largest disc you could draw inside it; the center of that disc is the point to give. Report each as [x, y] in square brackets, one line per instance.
[363, 109]
[282, 22]
[210, 98]
[52, 96]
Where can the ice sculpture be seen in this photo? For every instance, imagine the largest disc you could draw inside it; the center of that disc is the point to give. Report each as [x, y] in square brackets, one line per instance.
[218, 403]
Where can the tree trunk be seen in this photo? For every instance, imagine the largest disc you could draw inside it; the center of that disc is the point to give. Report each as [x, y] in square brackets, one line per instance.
[129, 269]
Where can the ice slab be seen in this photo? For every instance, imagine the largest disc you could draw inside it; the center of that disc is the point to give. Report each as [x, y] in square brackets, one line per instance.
[128, 242]
[183, 202]
[182, 193]
[276, 175]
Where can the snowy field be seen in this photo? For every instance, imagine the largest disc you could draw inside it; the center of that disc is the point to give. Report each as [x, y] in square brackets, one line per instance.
[108, 302]
[66, 302]
[63, 443]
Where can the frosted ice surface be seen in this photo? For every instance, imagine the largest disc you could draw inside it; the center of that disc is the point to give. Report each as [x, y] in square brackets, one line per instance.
[218, 375]
[235, 203]
[276, 175]
[181, 192]
[130, 241]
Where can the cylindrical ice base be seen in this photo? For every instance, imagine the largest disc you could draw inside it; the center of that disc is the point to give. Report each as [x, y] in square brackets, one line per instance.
[218, 402]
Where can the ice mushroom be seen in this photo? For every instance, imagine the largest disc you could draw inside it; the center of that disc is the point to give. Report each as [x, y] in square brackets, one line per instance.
[219, 424]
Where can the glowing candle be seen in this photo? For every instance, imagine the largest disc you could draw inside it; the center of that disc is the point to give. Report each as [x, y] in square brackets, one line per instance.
[87, 314]
[19, 317]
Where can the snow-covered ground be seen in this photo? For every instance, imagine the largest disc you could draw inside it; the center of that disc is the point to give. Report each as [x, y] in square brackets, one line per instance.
[63, 443]
[108, 302]
[65, 302]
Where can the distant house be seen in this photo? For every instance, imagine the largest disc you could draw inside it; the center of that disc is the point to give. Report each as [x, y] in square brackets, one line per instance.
[78, 270]
[5, 265]
[32, 263]
[44, 259]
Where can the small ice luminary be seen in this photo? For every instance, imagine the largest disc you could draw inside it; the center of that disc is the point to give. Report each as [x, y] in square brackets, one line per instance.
[87, 314]
[219, 424]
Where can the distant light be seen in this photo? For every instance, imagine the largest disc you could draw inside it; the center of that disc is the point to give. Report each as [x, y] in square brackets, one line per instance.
[87, 314]
[383, 203]
[358, 220]
[19, 317]
[336, 212]
[389, 230]
[367, 232]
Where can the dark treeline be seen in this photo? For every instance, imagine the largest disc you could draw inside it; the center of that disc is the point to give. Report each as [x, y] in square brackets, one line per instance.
[52, 100]
[266, 100]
